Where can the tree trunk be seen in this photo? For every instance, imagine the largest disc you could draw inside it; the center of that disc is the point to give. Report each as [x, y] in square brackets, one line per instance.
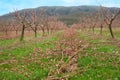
[111, 32]
[101, 29]
[51, 30]
[35, 31]
[43, 32]
[48, 30]
[89, 28]
[93, 29]
[6, 32]
[16, 32]
[22, 33]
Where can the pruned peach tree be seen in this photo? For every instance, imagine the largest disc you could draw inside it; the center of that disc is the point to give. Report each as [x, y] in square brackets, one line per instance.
[110, 17]
[22, 18]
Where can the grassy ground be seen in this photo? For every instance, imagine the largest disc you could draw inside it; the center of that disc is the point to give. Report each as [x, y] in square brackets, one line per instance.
[36, 59]
[102, 58]
[12, 56]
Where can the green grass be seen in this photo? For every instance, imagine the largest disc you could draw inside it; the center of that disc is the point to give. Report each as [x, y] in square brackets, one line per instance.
[6, 42]
[17, 52]
[27, 47]
[9, 75]
[99, 61]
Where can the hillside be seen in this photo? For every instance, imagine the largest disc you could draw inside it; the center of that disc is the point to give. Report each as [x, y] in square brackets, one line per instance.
[67, 14]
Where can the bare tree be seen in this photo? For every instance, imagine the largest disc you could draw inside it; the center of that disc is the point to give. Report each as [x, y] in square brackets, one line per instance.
[5, 27]
[15, 26]
[109, 18]
[34, 22]
[47, 25]
[101, 19]
[83, 22]
[42, 20]
[22, 18]
[53, 23]
[92, 21]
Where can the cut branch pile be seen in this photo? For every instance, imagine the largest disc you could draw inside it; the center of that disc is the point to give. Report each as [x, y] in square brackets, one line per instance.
[69, 46]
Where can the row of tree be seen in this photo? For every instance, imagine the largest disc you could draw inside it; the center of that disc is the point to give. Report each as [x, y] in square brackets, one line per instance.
[33, 21]
[102, 18]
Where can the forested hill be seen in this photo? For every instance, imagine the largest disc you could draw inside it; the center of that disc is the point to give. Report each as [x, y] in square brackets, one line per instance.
[67, 14]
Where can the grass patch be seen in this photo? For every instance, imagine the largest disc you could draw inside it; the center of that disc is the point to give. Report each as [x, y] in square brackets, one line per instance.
[9, 75]
[6, 42]
[22, 68]
[99, 61]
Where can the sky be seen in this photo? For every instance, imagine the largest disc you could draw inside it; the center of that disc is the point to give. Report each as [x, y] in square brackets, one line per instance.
[7, 6]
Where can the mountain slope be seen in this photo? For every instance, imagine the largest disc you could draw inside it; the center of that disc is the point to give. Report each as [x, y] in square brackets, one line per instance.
[67, 14]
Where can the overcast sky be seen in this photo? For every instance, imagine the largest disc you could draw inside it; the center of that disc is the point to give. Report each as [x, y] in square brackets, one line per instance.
[7, 6]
